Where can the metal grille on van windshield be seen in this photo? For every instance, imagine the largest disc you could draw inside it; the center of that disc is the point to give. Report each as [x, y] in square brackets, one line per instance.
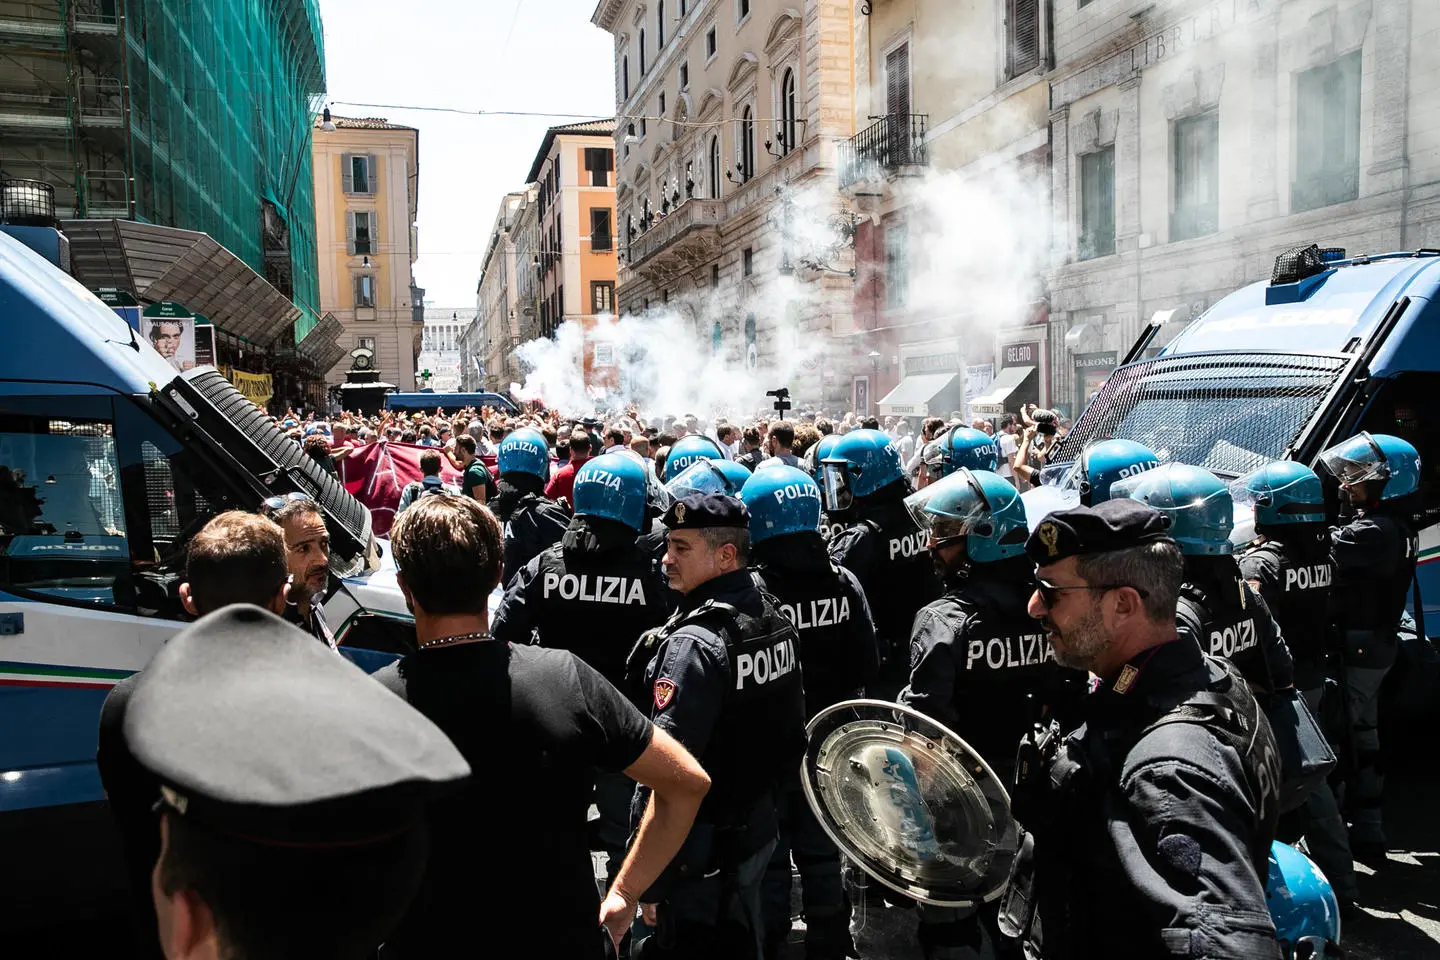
[247, 434]
[1226, 412]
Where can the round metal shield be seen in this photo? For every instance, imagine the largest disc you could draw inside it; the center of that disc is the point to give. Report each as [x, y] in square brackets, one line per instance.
[910, 802]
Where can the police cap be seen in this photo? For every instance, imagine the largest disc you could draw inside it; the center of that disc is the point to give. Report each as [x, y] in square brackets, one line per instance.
[698, 511]
[1105, 527]
[257, 732]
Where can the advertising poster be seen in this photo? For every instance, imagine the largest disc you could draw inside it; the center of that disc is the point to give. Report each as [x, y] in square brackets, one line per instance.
[204, 345]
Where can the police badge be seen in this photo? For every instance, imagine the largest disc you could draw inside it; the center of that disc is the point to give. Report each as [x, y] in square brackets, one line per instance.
[1049, 536]
[664, 692]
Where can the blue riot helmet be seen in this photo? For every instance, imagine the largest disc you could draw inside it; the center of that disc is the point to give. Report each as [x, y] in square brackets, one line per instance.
[1283, 492]
[861, 463]
[612, 486]
[1375, 456]
[686, 451]
[960, 447]
[1302, 905]
[781, 500]
[1102, 464]
[821, 451]
[524, 451]
[981, 506]
[708, 476]
[1196, 501]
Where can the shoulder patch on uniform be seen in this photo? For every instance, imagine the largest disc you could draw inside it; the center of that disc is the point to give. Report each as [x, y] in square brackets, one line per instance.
[664, 692]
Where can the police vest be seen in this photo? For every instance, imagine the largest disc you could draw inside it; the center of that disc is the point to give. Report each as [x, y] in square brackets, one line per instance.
[905, 579]
[1301, 596]
[1231, 631]
[533, 524]
[759, 736]
[1374, 598]
[827, 613]
[597, 604]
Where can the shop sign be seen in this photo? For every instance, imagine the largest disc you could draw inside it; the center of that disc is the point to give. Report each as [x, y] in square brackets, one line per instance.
[1026, 354]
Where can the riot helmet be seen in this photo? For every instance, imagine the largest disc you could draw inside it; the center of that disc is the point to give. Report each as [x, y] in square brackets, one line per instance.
[1302, 904]
[960, 447]
[982, 507]
[612, 486]
[686, 451]
[1101, 464]
[707, 476]
[817, 454]
[781, 500]
[1196, 501]
[524, 451]
[1377, 456]
[1283, 492]
[862, 462]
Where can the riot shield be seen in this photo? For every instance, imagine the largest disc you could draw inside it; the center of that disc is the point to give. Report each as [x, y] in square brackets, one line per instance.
[910, 802]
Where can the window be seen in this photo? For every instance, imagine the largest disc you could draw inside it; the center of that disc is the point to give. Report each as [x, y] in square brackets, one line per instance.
[361, 232]
[683, 7]
[358, 174]
[642, 53]
[662, 103]
[1196, 152]
[365, 343]
[625, 78]
[747, 144]
[715, 168]
[747, 261]
[897, 104]
[642, 127]
[365, 290]
[897, 275]
[1327, 134]
[1097, 204]
[787, 112]
[1083, 3]
[744, 7]
[599, 229]
[714, 275]
[710, 43]
[684, 76]
[602, 296]
[660, 24]
[599, 161]
[1022, 36]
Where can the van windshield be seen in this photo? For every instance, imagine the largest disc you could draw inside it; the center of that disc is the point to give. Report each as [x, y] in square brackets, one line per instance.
[1228, 413]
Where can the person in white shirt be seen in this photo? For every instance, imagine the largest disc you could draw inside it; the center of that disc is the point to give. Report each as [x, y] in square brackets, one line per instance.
[1009, 446]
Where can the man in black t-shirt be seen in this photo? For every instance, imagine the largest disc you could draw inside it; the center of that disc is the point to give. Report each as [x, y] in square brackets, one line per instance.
[536, 725]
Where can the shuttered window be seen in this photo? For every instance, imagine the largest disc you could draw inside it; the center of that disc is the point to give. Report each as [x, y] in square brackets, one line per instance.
[1097, 204]
[599, 161]
[1022, 36]
[599, 229]
[897, 105]
[357, 172]
[365, 290]
[359, 232]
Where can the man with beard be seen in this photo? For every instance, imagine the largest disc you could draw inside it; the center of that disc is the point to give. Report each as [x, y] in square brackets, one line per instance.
[532, 522]
[307, 554]
[1150, 823]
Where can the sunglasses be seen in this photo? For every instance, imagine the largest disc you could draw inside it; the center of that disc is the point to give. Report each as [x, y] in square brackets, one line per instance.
[1050, 592]
[271, 504]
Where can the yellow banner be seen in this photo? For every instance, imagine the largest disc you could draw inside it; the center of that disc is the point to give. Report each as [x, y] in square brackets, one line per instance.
[255, 387]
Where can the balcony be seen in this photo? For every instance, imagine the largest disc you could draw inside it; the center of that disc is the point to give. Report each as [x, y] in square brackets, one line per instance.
[686, 238]
[893, 146]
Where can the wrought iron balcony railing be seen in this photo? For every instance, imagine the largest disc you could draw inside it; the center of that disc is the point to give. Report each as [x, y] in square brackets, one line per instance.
[885, 148]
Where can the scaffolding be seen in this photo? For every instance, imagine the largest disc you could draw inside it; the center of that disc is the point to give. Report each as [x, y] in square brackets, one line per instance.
[183, 113]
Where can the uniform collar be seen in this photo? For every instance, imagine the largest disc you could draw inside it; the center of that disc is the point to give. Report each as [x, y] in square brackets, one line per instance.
[1155, 669]
[735, 588]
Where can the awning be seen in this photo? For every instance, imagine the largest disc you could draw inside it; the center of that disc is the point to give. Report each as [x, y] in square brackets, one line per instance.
[1006, 382]
[322, 344]
[167, 263]
[913, 395]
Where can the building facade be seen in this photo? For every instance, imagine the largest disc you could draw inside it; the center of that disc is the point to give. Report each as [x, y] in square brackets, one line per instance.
[728, 113]
[438, 363]
[366, 198]
[1194, 142]
[952, 152]
[489, 345]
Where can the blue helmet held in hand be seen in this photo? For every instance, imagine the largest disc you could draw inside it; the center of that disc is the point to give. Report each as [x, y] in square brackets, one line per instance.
[686, 451]
[524, 451]
[612, 486]
[860, 463]
[981, 506]
[960, 447]
[1283, 492]
[1375, 456]
[1302, 904]
[1102, 464]
[1196, 501]
[781, 500]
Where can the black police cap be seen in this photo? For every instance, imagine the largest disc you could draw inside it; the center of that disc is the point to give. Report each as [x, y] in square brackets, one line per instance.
[1103, 528]
[701, 510]
[257, 732]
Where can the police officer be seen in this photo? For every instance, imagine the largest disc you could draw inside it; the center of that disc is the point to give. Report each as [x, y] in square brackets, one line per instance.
[829, 526]
[959, 447]
[1150, 823]
[686, 451]
[1374, 554]
[838, 657]
[594, 593]
[979, 663]
[1289, 564]
[864, 482]
[1102, 464]
[531, 521]
[724, 677]
[1217, 606]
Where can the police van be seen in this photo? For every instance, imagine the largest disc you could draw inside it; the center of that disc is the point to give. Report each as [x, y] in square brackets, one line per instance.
[109, 462]
[1330, 346]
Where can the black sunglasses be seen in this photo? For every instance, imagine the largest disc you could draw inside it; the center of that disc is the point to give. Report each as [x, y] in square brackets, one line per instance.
[1050, 592]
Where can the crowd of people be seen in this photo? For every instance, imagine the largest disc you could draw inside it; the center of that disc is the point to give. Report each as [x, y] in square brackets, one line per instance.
[679, 598]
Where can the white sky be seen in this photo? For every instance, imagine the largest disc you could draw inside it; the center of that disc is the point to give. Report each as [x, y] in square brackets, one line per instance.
[454, 53]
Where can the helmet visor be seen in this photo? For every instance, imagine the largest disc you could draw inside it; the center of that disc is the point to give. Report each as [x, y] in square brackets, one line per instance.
[835, 490]
[1356, 460]
[700, 477]
[1064, 476]
[950, 508]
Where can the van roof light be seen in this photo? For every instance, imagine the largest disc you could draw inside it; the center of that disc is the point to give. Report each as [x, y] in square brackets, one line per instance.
[1297, 263]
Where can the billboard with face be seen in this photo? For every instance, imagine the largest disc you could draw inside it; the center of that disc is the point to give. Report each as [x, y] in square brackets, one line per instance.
[174, 338]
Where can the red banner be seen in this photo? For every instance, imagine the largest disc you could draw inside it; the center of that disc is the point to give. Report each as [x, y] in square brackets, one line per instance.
[376, 475]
